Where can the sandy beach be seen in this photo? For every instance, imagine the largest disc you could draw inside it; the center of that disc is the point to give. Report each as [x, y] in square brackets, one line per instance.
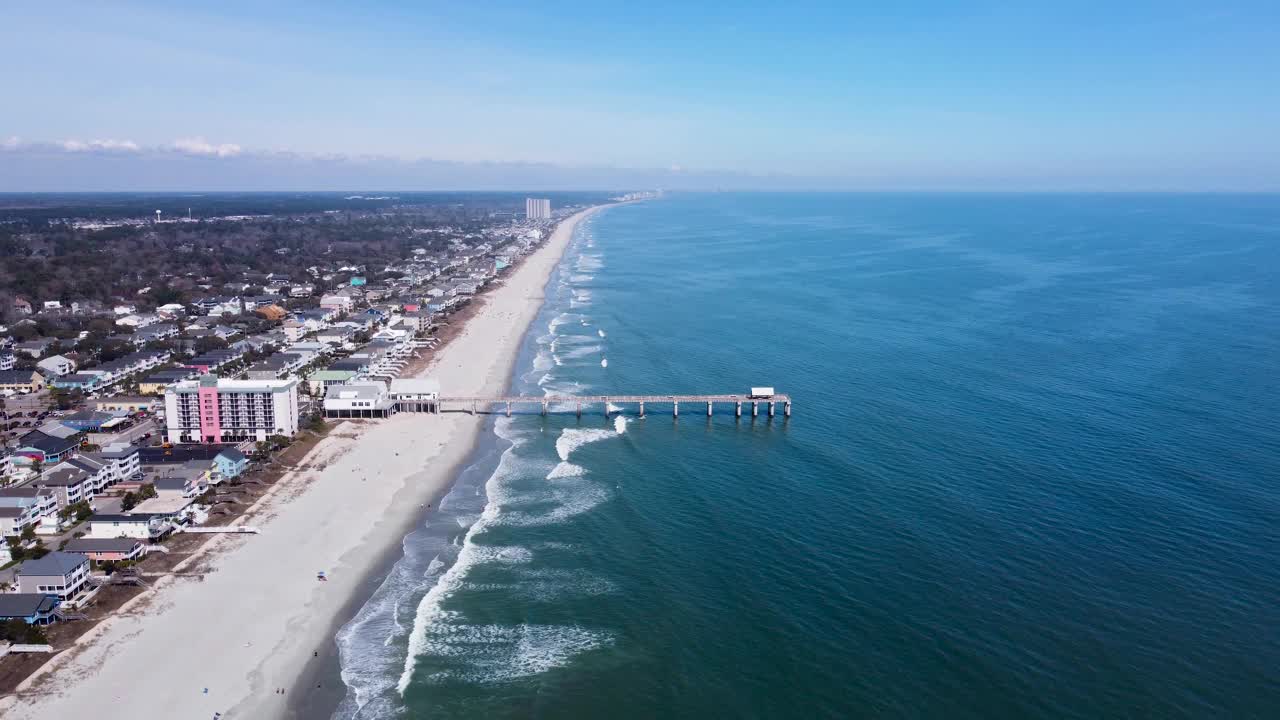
[249, 615]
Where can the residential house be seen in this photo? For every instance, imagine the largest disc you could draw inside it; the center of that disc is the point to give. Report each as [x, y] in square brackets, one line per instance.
[218, 304]
[122, 462]
[21, 380]
[272, 312]
[214, 360]
[336, 336]
[14, 519]
[155, 333]
[321, 379]
[341, 303]
[57, 366]
[70, 484]
[37, 506]
[230, 463]
[276, 366]
[139, 320]
[107, 549]
[142, 526]
[61, 574]
[35, 348]
[294, 330]
[171, 310]
[85, 382]
[417, 321]
[157, 382]
[32, 608]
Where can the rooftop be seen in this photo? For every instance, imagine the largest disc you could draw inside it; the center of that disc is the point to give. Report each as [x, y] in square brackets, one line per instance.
[21, 605]
[88, 545]
[55, 563]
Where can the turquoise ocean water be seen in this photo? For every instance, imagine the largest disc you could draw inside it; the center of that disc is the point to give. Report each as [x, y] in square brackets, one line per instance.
[1033, 471]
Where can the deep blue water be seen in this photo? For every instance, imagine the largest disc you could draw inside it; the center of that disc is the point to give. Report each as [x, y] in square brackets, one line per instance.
[1033, 471]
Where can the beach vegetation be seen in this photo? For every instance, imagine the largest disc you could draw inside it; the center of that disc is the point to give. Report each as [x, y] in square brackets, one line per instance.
[79, 511]
[18, 631]
[131, 500]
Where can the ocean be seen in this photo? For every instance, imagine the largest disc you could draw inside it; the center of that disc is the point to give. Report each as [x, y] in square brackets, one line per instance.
[1032, 471]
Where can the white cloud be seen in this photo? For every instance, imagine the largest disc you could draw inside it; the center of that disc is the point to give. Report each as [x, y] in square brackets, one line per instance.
[13, 142]
[200, 146]
[115, 145]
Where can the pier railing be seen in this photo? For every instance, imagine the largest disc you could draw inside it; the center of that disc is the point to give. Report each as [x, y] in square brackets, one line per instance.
[547, 403]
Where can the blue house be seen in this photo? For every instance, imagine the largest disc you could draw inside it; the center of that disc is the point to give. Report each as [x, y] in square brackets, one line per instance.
[34, 608]
[84, 382]
[230, 463]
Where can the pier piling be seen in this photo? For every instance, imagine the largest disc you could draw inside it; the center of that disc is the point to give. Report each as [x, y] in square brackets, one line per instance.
[770, 409]
[755, 409]
[641, 408]
[737, 410]
[708, 408]
[675, 409]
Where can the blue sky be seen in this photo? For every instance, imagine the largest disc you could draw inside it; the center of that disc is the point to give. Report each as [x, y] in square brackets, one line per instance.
[1168, 95]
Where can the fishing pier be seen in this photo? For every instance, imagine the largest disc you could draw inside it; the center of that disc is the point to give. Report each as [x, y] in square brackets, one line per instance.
[611, 403]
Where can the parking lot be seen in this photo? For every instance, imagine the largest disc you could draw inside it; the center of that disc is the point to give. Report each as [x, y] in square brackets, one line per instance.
[19, 409]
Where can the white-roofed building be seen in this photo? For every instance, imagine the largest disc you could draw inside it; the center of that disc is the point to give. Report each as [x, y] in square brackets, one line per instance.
[415, 394]
[358, 400]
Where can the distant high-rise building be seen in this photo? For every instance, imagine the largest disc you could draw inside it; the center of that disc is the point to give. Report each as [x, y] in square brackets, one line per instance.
[537, 209]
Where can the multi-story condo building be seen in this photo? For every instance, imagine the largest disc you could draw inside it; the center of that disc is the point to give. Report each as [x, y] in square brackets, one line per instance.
[212, 410]
[537, 208]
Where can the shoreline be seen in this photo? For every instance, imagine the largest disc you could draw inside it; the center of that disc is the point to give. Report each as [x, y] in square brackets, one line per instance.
[258, 610]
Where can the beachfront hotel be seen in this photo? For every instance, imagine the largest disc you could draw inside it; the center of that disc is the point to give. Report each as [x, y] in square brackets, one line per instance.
[213, 410]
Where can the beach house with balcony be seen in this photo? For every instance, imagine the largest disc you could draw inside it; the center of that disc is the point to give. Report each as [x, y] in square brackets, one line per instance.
[61, 574]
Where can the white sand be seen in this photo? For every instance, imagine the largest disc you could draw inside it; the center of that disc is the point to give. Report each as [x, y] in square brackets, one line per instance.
[254, 620]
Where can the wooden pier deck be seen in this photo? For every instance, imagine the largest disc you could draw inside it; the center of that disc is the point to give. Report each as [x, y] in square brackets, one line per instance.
[546, 403]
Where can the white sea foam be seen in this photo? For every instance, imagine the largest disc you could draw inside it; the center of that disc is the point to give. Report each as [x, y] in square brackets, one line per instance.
[573, 438]
[572, 497]
[604, 362]
[429, 609]
[500, 653]
[434, 566]
[601, 333]
[580, 352]
[566, 469]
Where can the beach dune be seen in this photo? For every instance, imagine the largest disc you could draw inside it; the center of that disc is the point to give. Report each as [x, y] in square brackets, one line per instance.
[224, 640]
